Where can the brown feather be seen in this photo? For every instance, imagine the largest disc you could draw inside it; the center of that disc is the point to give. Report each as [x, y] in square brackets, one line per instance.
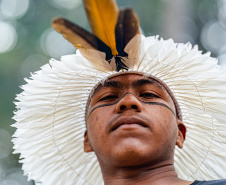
[75, 34]
[127, 27]
[79, 37]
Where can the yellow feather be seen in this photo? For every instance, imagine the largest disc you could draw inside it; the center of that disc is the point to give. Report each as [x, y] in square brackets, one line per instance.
[102, 15]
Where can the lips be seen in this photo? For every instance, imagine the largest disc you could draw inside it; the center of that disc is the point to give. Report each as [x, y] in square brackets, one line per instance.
[128, 121]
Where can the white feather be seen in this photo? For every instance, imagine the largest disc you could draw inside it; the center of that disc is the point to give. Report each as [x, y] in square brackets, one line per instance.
[50, 111]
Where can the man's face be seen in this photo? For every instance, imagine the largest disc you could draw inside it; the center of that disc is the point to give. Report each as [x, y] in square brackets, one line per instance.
[132, 121]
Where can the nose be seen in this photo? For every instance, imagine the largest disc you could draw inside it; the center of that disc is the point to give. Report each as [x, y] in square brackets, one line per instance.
[128, 102]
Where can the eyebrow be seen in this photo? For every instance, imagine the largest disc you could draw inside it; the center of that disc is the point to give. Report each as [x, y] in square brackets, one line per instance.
[136, 84]
[142, 82]
[112, 83]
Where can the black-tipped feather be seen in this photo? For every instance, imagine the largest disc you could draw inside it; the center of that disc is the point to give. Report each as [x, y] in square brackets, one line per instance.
[127, 27]
[79, 37]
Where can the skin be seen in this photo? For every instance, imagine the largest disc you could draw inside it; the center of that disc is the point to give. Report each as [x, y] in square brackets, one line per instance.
[133, 138]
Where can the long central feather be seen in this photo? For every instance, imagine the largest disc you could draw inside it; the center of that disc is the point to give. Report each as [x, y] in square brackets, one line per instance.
[127, 27]
[102, 15]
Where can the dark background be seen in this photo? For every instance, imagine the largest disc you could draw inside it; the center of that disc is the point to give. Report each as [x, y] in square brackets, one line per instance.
[27, 42]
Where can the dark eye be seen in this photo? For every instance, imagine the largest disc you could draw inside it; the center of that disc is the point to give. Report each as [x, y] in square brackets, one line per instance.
[149, 95]
[109, 98]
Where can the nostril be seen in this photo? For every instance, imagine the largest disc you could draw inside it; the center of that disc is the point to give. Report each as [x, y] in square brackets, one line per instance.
[134, 107]
[122, 107]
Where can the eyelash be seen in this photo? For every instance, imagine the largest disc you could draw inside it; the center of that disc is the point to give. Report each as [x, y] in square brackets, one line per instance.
[143, 95]
[149, 95]
[109, 97]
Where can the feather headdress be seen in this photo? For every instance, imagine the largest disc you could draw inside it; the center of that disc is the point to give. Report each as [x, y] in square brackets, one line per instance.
[50, 116]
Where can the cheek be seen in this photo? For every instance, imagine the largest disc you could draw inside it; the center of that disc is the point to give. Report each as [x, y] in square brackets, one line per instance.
[169, 127]
[96, 127]
[94, 124]
[166, 122]
[164, 114]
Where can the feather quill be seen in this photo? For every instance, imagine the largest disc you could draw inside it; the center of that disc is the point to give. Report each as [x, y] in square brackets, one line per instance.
[102, 16]
[127, 27]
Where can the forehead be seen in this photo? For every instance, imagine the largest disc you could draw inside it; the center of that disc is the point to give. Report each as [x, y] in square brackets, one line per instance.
[127, 81]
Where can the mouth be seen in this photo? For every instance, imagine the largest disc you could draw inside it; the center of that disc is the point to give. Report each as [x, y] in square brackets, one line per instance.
[128, 123]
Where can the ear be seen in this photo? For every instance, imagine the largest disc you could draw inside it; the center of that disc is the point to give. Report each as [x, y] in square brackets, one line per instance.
[87, 146]
[181, 134]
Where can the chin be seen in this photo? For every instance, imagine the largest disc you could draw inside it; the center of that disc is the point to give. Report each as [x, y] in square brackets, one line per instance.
[132, 153]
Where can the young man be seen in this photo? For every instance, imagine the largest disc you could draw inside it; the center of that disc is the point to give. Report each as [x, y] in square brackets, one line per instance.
[133, 128]
[128, 101]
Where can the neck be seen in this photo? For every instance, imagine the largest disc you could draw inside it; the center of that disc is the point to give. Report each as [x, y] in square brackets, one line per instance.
[159, 174]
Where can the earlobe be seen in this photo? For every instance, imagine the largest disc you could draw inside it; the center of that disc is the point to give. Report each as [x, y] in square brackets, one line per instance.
[87, 147]
[181, 134]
